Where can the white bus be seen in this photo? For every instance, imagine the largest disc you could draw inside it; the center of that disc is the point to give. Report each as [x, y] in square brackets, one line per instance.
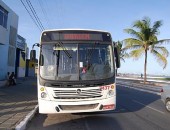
[77, 70]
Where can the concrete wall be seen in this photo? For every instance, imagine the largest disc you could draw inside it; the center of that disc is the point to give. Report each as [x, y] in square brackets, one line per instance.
[21, 58]
[3, 61]
[12, 21]
[3, 38]
[21, 71]
[31, 69]
[22, 66]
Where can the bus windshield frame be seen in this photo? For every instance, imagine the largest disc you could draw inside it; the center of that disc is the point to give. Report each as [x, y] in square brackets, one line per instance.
[76, 59]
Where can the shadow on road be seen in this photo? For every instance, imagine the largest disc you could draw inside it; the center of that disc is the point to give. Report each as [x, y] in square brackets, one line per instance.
[130, 100]
[134, 100]
[72, 122]
[17, 101]
[126, 103]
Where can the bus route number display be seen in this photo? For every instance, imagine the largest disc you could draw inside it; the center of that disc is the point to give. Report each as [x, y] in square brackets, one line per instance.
[75, 36]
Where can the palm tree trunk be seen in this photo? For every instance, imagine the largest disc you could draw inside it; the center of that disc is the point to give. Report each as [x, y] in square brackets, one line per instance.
[145, 65]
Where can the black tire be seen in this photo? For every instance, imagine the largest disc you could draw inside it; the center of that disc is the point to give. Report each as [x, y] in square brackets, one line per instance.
[167, 105]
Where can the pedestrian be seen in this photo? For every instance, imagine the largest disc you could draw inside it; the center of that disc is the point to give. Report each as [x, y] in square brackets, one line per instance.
[141, 75]
[12, 79]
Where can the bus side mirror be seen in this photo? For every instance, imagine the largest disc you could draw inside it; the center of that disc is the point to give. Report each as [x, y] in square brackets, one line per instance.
[33, 55]
[41, 62]
[117, 52]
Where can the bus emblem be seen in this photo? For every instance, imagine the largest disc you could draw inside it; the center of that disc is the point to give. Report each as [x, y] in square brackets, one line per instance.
[78, 91]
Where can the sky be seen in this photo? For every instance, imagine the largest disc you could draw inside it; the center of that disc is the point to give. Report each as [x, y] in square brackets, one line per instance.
[109, 15]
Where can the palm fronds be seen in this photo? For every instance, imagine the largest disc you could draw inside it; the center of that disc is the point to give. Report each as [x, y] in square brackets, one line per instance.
[144, 38]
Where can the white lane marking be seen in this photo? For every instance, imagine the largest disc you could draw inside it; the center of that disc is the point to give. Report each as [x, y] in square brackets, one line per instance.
[148, 107]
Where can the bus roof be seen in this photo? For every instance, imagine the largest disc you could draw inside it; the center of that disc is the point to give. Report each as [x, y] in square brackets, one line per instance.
[93, 30]
[65, 34]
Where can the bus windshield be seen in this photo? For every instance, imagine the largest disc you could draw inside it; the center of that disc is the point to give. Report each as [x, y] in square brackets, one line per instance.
[87, 61]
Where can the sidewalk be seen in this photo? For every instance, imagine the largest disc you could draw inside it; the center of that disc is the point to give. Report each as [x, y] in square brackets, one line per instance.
[141, 86]
[149, 80]
[153, 86]
[17, 101]
[2, 83]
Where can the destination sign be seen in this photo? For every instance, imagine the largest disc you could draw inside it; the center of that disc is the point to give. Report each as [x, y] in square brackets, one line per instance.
[75, 36]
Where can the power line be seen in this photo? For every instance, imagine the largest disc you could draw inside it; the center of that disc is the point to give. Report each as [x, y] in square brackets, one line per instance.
[44, 12]
[31, 15]
[35, 14]
[52, 12]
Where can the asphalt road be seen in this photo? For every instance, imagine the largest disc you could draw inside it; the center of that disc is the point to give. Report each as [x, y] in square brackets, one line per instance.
[136, 110]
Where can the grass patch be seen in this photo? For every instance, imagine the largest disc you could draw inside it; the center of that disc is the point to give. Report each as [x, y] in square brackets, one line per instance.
[166, 79]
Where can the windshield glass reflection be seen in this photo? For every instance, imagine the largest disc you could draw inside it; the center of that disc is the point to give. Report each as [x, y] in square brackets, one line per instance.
[87, 62]
[96, 61]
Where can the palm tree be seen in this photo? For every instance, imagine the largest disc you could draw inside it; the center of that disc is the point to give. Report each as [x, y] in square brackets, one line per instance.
[144, 39]
[122, 53]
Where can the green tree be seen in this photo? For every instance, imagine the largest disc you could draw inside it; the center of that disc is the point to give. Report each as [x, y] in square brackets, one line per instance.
[122, 53]
[144, 39]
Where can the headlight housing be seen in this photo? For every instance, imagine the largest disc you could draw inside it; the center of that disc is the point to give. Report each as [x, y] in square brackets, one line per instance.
[111, 93]
[43, 95]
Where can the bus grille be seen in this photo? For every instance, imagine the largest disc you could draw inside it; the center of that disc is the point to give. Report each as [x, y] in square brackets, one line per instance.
[77, 94]
[78, 107]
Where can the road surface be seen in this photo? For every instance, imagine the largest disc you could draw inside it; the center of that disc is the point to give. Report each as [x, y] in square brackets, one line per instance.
[136, 110]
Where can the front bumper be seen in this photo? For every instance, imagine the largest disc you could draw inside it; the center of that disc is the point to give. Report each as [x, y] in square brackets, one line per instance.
[51, 107]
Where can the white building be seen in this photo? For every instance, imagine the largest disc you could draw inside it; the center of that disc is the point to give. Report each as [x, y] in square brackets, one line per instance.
[8, 35]
[21, 56]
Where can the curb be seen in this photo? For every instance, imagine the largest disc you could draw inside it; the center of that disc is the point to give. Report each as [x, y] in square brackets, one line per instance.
[22, 125]
[151, 80]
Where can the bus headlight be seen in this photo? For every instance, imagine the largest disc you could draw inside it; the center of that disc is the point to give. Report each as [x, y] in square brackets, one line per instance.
[43, 95]
[110, 93]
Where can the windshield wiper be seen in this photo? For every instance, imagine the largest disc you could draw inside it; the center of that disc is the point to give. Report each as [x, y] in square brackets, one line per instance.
[58, 55]
[64, 49]
[58, 60]
[91, 52]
